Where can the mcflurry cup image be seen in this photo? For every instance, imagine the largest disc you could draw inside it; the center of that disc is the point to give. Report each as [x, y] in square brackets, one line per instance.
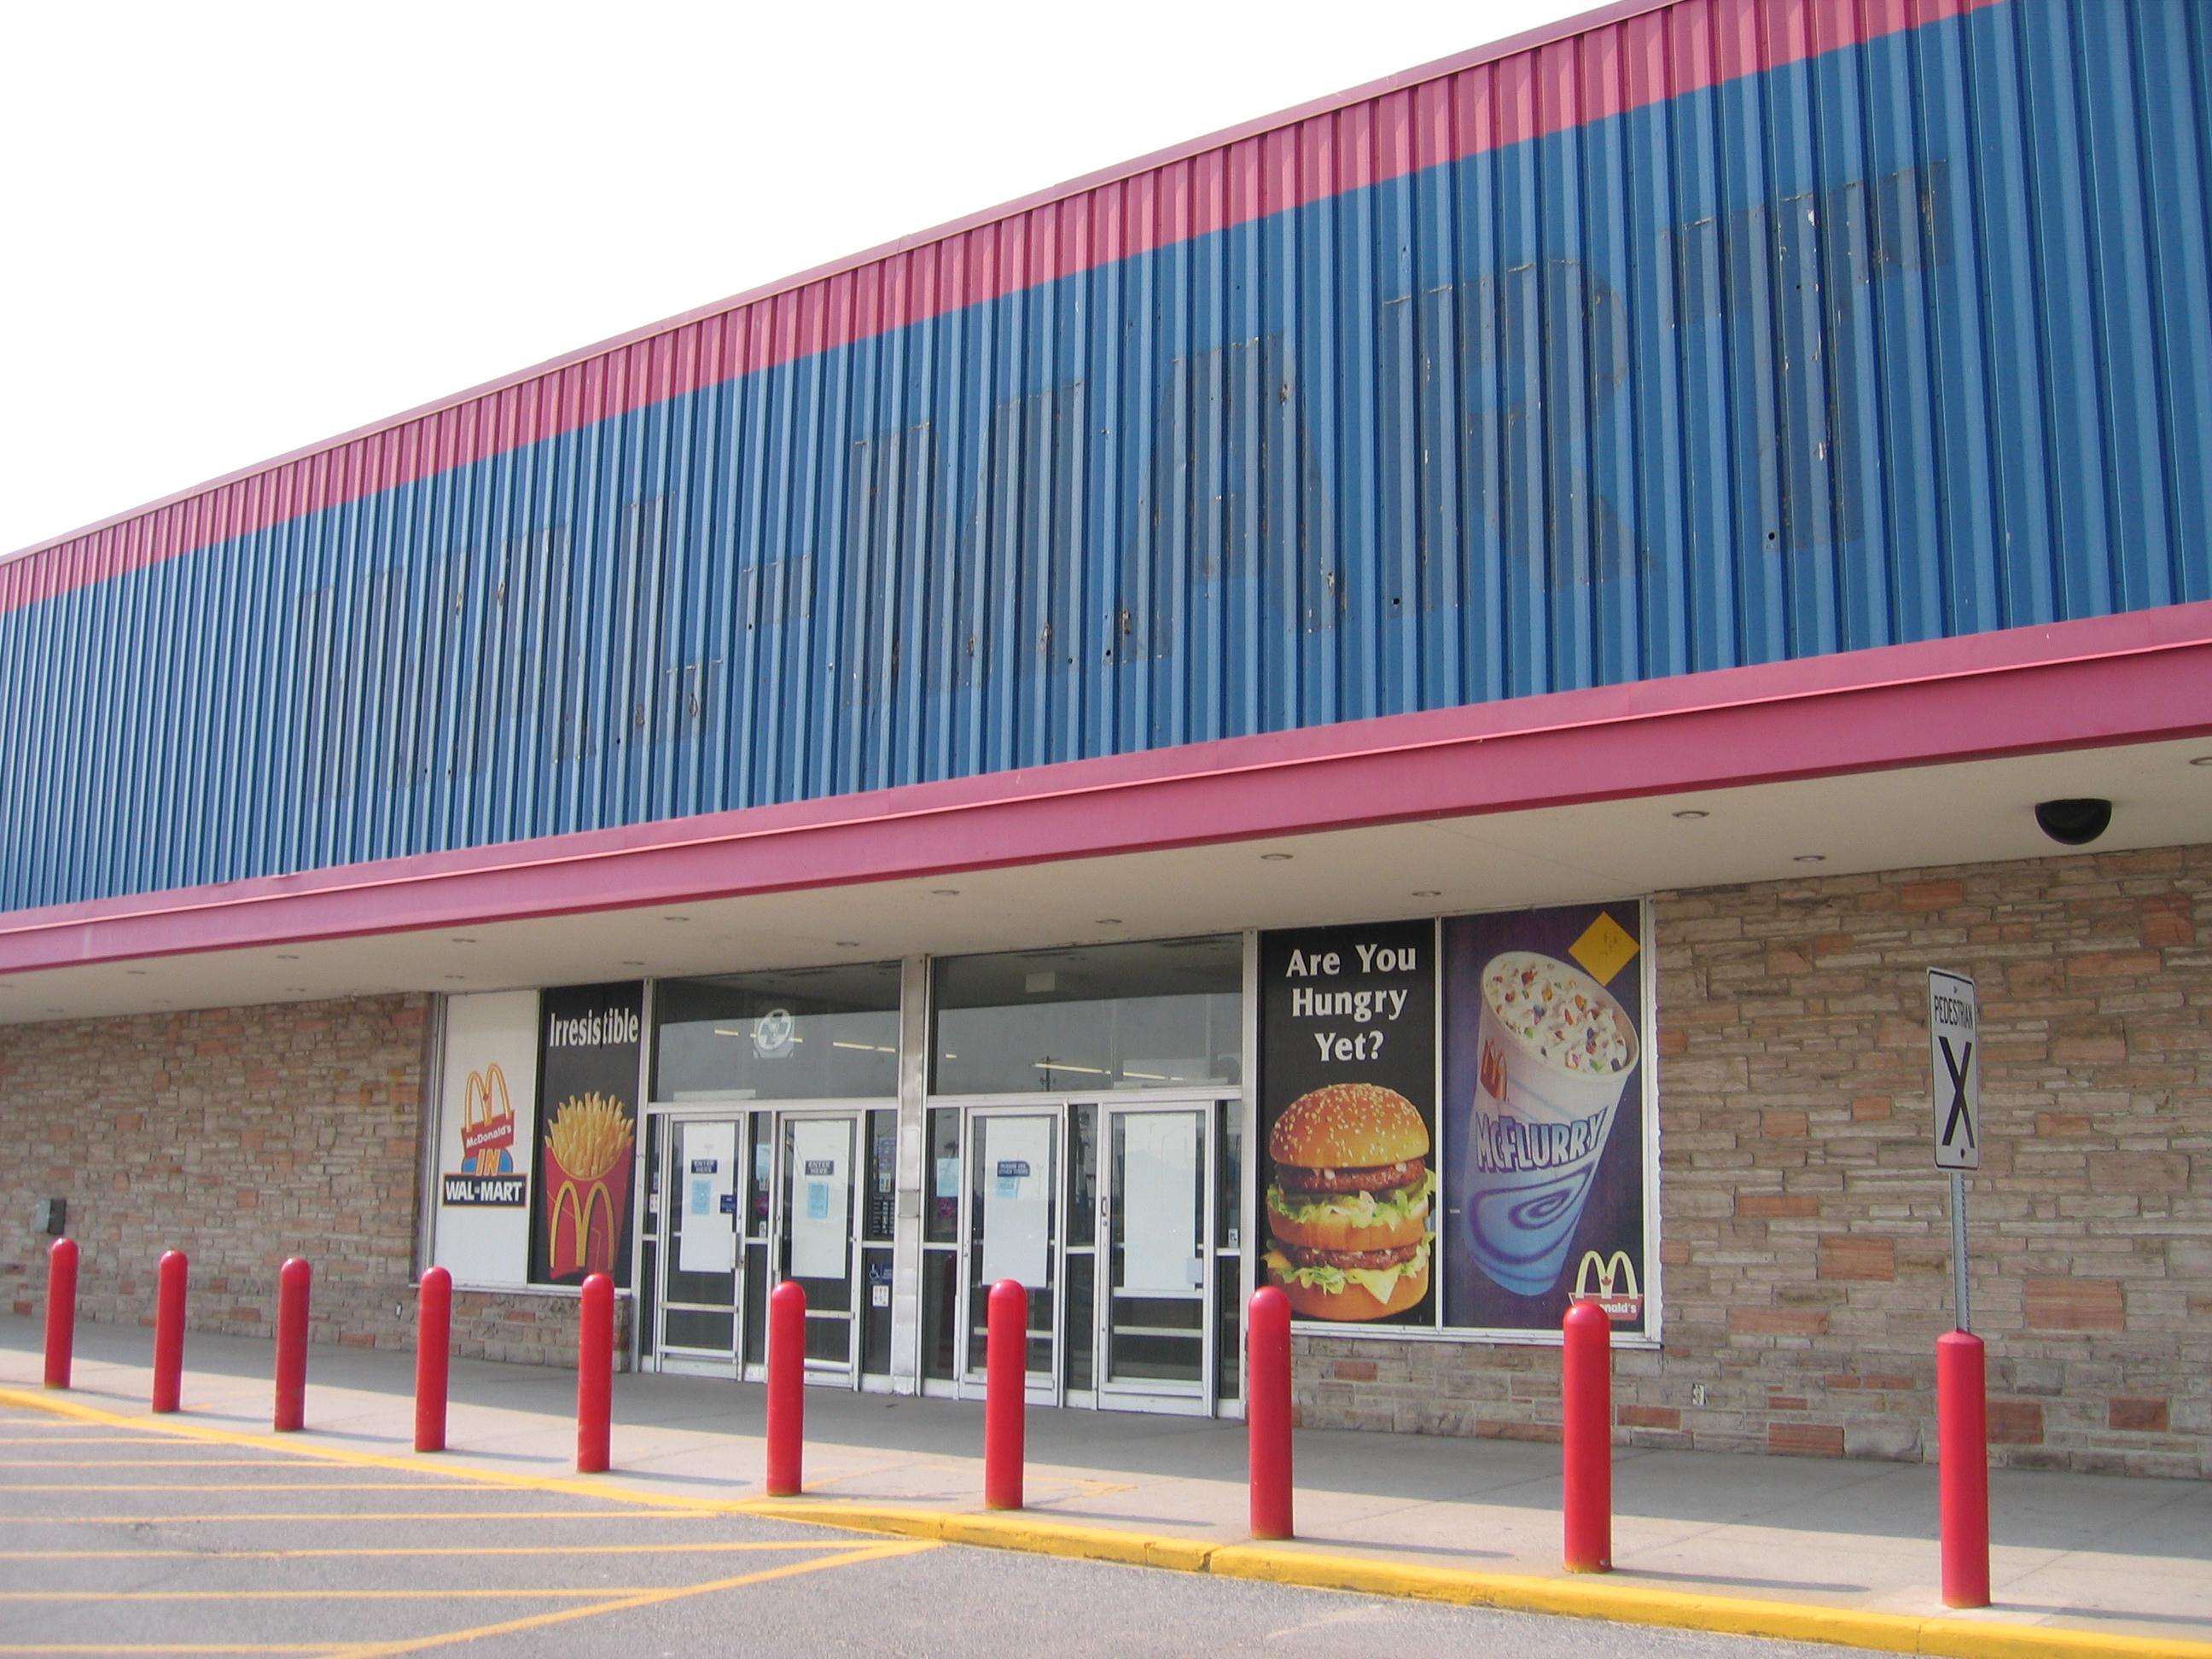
[1556, 1051]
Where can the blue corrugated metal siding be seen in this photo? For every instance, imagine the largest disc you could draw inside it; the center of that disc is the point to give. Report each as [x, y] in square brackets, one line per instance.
[1906, 340]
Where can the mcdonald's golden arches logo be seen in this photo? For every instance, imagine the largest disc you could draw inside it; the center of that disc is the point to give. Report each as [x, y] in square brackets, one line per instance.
[1616, 1292]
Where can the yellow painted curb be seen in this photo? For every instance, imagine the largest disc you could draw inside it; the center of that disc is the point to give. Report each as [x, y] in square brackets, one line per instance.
[1575, 1597]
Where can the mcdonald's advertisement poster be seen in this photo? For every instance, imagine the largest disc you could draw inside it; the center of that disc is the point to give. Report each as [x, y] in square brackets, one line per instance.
[1347, 1094]
[589, 1048]
[1547, 1130]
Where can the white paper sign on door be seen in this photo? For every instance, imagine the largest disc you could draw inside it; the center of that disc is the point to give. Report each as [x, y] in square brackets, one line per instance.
[1159, 1203]
[821, 1201]
[706, 1188]
[1016, 1176]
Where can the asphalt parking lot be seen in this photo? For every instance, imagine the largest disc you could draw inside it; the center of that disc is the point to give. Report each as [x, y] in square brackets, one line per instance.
[118, 1539]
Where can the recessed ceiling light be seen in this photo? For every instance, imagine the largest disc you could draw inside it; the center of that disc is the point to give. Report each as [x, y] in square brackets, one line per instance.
[1274, 858]
[301, 989]
[285, 958]
[1812, 858]
[55, 1011]
[136, 973]
[1428, 892]
[458, 941]
[1106, 921]
[633, 964]
[2202, 760]
[945, 892]
[849, 944]
[676, 918]
[1692, 812]
[453, 976]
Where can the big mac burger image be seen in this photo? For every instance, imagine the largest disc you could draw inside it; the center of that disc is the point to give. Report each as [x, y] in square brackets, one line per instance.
[1349, 1205]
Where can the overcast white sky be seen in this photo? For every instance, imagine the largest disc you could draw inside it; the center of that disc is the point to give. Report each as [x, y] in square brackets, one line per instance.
[233, 229]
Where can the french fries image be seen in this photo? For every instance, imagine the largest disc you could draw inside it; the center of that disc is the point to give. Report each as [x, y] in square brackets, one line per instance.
[587, 1144]
[588, 1135]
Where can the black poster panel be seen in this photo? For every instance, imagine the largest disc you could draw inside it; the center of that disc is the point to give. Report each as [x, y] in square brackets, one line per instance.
[1348, 1102]
[588, 1051]
[1544, 1072]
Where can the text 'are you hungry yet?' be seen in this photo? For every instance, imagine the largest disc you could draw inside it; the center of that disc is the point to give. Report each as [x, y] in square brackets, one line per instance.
[1362, 1008]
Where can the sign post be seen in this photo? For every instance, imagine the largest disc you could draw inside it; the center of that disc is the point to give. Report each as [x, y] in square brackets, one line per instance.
[1954, 1060]
[1961, 1381]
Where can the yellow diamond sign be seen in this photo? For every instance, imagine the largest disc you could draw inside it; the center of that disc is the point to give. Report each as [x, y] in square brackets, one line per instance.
[1604, 949]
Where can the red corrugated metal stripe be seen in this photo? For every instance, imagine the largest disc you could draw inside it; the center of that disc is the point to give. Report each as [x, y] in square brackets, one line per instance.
[1625, 57]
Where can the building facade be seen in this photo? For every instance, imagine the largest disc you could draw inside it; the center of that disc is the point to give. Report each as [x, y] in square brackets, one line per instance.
[1090, 746]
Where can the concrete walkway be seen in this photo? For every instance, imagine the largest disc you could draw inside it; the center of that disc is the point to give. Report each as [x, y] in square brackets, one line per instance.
[2087, 1552]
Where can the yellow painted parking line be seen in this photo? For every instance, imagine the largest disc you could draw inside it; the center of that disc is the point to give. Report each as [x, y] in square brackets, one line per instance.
[706, 1547]
[236, 1485]
[624, 1604]
[420, 1485]
[473, 1594]
[66, 1439]
[571, 1485]
[140, 1462]
[403, 1514]
[171, 1647]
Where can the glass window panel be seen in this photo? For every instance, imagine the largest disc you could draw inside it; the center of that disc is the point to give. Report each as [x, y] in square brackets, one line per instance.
[758, 1184]
[802, 1034]
[882, 1213]
[1230, 1163]
[688, 1328]
[1229, 1348]
[1082, 1315]
[941, 1225]
[817, 1210]
[757, 1304]
[1153, 1015]
[1083, 1179]
[940, 1319]
[876, 1313]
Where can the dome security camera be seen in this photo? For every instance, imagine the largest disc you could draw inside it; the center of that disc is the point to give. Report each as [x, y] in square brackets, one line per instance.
[2074, 822]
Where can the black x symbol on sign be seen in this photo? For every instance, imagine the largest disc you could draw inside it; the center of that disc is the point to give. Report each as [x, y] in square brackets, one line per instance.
[1956, 1065]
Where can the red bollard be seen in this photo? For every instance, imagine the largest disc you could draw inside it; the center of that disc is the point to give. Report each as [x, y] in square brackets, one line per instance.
[1267, 1411]
[1962, 1453]
[1586, 1438]
[293, 1279]
[61, 1311]
[169, 1330]
[434, 1347]
[595, 1371]
[787, 1388]
[1006, 1370]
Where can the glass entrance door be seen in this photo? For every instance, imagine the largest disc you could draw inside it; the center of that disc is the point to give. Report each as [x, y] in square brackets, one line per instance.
[1155, 1294]
[699, 1283]
[815, 1237]
[1013, 1225]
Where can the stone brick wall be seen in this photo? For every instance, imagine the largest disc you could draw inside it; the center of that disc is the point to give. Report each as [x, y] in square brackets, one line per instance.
[529, 1328]
[239, 1136]
[1804, 1233]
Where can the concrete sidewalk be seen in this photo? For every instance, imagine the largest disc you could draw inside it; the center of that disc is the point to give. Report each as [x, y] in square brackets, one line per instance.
[2105, 1554]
